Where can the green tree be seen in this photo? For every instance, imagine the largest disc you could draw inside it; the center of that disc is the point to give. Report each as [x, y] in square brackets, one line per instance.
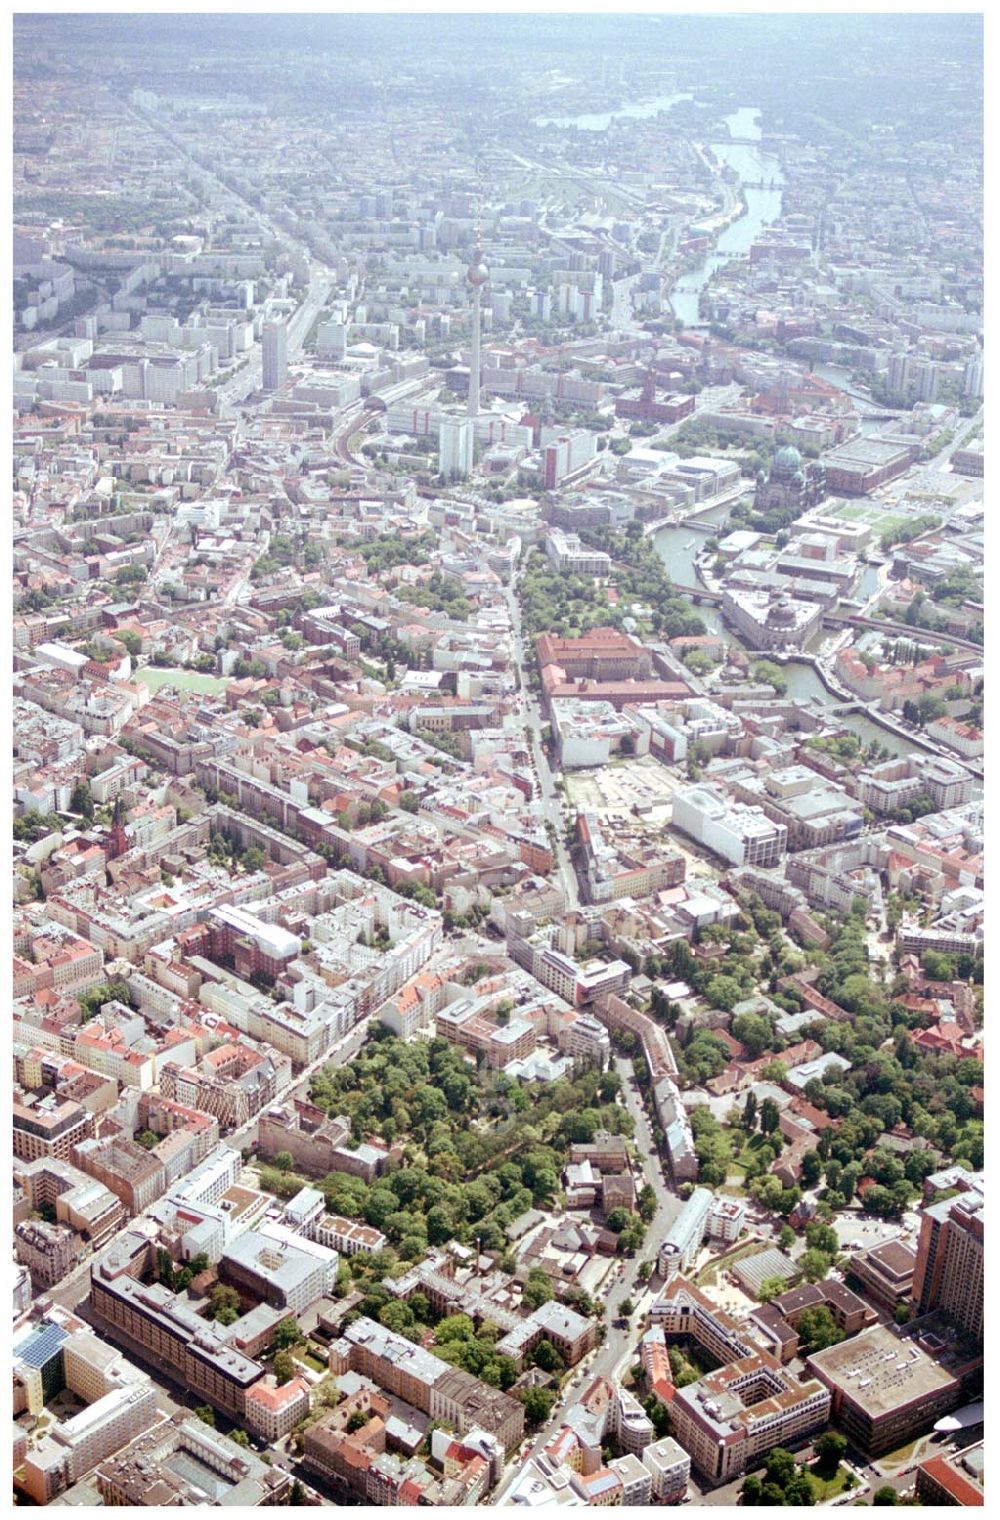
[283, 1367]
[225, 1301]
[547, 1357]
[537, 1289]
[286, 1334]
[799, 1491]
[538, 1404]
[770, 1116]
[751, 1491]
[240, 1437]
[780, 1466]
[822, 1237]
[885, 1495]
[206, 1414]
[815, 1265]
[812, 1168]
[754, 1032]
[830, 1448]
[818, 1329]
[771, 1287]
[723, 991]
[81, 799]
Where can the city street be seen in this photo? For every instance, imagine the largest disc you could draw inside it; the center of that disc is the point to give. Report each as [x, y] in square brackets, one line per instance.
[619, 1348]
[551, 801]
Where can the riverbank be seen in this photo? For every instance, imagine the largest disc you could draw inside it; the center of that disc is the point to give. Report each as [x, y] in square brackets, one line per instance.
[759, 186]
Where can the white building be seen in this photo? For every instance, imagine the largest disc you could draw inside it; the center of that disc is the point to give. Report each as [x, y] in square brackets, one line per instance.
[456, 446]
[726, 1218]
[569, 556]
[635, 1479]
[271, 1412]
[683, 1240]
[670, 1468]
[740, 834]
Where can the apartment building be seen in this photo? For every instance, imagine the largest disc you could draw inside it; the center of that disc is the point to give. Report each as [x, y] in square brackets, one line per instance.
[274, 1272]
[85, 1206]
[731, 1418]
[181, 1461]
[427, 1383]
[898, 782]
[128, 1170]
[601, 654]
[683, 1241]
[121, 1404]
[273, 1411]
[346, 1235]
[157, 1326]
[948, 1272]
[953, 1479]
[572, 1334]
[316, 1144]
[49, 1251]
[47, 1128]
[669, 1467]
[886, 1273]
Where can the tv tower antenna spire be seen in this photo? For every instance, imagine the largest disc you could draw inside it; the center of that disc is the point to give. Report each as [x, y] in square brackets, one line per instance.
[477, 274]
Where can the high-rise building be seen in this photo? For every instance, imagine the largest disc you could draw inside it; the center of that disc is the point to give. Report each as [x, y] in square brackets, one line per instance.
[477, 275]
[898, 372]
[972, 379]
[927, 381]
[949, 1269]
[275, 355]
[456, 445]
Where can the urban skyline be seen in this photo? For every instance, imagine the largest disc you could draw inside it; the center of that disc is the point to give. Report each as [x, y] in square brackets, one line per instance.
[498, 784]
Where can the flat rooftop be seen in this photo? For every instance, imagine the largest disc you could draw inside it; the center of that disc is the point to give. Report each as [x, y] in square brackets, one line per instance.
[879, 1371]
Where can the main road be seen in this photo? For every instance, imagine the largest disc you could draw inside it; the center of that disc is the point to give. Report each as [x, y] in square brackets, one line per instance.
[551, 804]
[247, 378]
[619, 1349]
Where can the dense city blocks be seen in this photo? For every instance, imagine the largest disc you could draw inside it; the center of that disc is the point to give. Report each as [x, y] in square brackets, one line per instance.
[498, 759]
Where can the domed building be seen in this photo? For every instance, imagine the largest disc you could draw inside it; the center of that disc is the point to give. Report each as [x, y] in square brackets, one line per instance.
[793, 485]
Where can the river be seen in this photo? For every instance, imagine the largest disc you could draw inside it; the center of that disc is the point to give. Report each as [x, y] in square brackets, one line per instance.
[678, 546]
[752, 167]
[635, 110]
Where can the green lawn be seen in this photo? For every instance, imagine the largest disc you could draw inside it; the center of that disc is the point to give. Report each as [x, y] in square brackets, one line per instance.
[901, 1457]
[185, 680]
[827, 1488]
[748, 1150]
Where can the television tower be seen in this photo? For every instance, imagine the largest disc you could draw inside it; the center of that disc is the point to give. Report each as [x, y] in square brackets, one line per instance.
[477, 274]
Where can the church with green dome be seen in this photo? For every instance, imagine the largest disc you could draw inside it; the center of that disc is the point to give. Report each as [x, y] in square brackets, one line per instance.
[793, 484]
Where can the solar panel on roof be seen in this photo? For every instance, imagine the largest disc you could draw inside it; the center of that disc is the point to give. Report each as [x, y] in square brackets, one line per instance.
[41, 1345]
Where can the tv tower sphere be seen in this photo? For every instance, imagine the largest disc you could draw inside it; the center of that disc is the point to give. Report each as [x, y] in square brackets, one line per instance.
[477, 273]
